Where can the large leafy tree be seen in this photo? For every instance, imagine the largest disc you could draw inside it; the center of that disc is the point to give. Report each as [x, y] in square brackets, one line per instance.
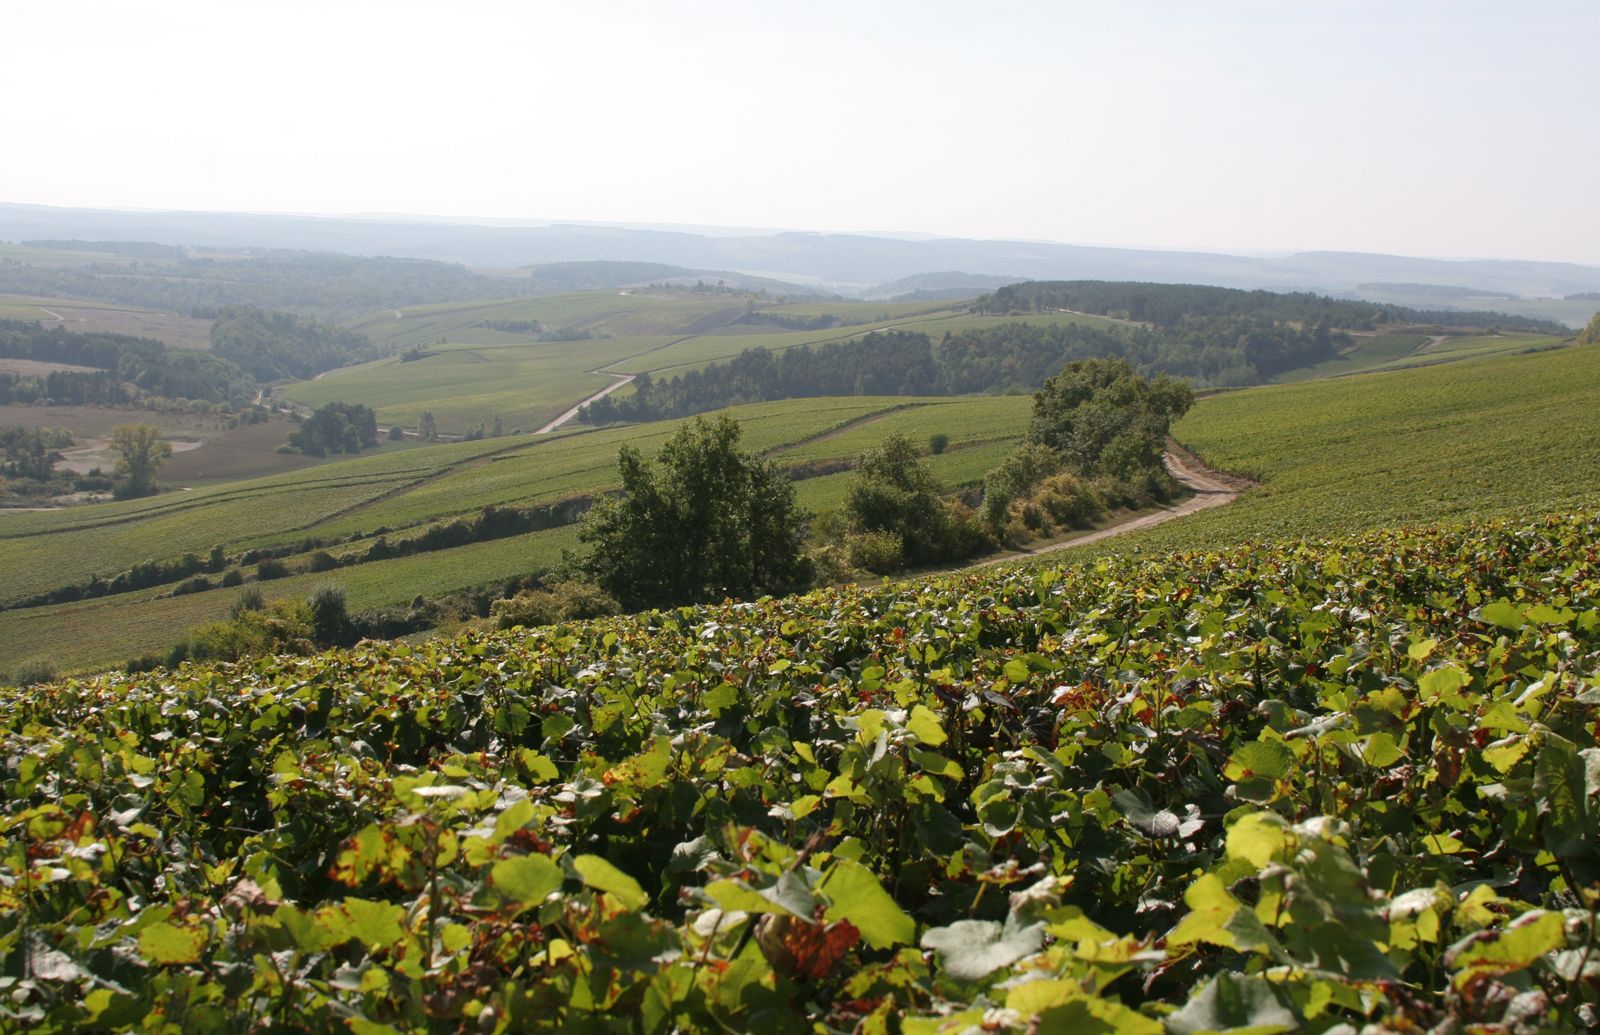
[142, 453]
[1103, 418]
[704, 521]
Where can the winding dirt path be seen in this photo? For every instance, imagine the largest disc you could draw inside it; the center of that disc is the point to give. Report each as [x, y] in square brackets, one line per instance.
[1210, 488]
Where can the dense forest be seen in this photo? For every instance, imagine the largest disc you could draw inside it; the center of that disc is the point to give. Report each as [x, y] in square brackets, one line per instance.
[1167, 305]
[273, 346]
[148, 365]
[1012, 358]
[328, 286]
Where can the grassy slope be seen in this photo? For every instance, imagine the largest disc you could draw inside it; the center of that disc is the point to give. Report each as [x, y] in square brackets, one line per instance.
[357, 497]
[1495, 436]
[471, 373]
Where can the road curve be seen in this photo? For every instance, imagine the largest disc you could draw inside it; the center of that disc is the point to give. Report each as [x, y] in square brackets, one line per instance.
[1210, 488]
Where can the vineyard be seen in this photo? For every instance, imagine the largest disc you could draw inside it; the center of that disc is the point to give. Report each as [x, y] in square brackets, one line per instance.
[1308, 786]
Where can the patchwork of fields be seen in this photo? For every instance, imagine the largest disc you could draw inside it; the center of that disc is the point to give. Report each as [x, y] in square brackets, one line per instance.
[399, 494]
[469, 371]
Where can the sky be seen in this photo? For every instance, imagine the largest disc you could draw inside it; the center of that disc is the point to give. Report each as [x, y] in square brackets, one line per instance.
[1416, 127]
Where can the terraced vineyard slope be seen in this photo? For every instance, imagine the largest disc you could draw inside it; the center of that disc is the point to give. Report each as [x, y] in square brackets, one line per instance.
[1265, 789]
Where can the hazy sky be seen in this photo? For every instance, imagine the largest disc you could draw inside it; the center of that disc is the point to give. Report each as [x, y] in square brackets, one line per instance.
[1424, 128]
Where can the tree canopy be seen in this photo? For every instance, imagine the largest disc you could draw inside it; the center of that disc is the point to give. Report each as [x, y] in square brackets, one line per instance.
[142, 453]
[704, 521]
[1591, 333]
[336, 428]
[1101, 417]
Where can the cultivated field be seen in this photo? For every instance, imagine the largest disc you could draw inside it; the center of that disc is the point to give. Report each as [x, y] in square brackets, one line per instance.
[180, 332]
[399, 494]
[1497, 436]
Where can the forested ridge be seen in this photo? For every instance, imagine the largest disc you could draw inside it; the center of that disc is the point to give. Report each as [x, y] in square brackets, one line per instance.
[1168, 305]
[1213, 337]
[274, 346]
[1011, 358]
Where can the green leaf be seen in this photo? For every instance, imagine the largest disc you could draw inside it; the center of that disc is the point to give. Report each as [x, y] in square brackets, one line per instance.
[857, 896]
[1529, 937]
[1503, 613]
[1257, 838]
[526, 879]
[1237, 1004]
[166, 943]
[540, 768]
[1264, 758]
[602, 876]
[924, 725]
[970, 950]
[1017, 670]
[377, 925]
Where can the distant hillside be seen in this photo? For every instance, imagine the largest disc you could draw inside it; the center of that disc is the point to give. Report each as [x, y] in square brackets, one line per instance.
[842, 262]
[925, 287]
[328, 286]
[599, 275]
[1440, 291]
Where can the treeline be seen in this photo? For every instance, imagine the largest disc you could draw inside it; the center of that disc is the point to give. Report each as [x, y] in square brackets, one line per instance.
[325, 285]
[274, 346]
[1008, 358]
[336, 428]
[1168, 305]
[147, 364]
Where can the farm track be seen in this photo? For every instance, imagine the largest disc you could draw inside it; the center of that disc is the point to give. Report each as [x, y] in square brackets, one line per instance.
[1211, 489]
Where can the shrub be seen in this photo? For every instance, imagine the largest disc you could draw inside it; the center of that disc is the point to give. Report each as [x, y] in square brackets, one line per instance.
[1069, 500]
[32, 671]
[250, 600]
[566, 601]
[330, 620]
[233, 577]
[198, 584]
[938, 443]
[877, 552]
[322, 560]
[271, 568]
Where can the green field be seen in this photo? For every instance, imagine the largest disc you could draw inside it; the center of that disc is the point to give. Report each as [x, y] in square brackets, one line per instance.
[401, 491]
[181, 332]
[1401, 351]
[469, 373]
[1501, 435]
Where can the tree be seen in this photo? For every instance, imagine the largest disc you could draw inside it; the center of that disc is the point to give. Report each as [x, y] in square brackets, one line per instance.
[897, 495]
[142, 454]
[1103, 418]
[704, 521]
[427, 430]
[338, 428]
[1591, 333]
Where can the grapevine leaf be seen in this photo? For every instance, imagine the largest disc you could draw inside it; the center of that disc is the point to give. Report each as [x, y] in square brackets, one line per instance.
[857, 896]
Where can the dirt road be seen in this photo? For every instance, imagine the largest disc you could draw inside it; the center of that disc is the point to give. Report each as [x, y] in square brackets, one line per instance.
[626, 379]
[1210, 488]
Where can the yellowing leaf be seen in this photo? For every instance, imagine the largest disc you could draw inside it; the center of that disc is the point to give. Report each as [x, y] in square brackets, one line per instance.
[166, 943]
[924, 725]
